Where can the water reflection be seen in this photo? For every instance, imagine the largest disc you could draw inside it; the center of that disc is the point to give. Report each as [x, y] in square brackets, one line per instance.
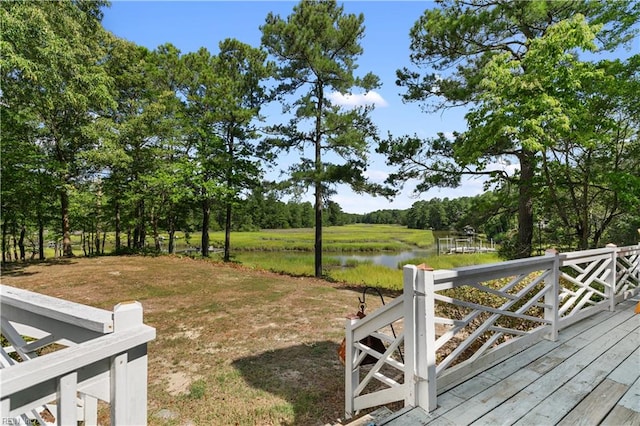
[389, 260]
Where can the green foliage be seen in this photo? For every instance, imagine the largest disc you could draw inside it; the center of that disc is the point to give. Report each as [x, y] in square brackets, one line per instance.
[198, 389]
[128, 146]
[591, 173]
[389, 217]
[52, 75]
[516, 66]
[316, 48]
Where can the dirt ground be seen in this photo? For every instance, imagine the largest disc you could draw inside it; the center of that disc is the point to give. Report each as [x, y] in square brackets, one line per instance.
[234, 346]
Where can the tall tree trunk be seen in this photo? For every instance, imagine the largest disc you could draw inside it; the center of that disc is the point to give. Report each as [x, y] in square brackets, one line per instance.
[104, 239]
[23, 231]
[139, 235]
[582, 231]
[136, 236]
[142, 243]
[67, 250]
[40, 237]
[83, 238]
[4, 241]
[117, 225]
[97, 241]
[15, 244]
[318, 182]
[227, 234]
[172, 236]
[206, 217]
[227, 221]
[525, 205]
[154, 228]
[318, 233]
[98, 227]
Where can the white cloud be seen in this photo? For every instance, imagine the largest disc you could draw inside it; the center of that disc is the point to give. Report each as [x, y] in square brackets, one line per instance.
[449, 135]
[353, 100]
[376, 175]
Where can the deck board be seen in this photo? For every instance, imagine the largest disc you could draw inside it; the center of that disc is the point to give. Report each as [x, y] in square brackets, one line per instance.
[631, 399]
[590, 376]
[597, 404]
[548, 399]
[622, 416]
[628, 371]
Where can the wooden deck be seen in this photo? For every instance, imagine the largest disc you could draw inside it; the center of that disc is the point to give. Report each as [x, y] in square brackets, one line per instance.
[590, 376]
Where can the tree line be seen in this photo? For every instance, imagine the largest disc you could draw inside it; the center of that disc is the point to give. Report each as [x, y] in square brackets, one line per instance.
[100, 134]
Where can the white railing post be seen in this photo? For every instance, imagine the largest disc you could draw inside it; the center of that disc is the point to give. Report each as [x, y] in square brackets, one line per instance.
[425, 354]
[551, 310]
[351, 374]
[409, 280]
[636, 265]
[5, 408]
[67, 399]
[611, 279]
[129, 371]
[430, 306]
[90, 410]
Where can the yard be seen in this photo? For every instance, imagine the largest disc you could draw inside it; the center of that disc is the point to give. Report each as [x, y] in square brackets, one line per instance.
[234, 346]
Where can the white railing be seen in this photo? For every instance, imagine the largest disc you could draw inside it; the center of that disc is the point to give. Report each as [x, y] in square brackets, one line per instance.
[383, 382]
[86, 354]
[627, 281]
[462, 321]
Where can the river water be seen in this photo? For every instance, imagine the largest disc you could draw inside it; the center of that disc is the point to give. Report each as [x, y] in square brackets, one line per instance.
[389, 260]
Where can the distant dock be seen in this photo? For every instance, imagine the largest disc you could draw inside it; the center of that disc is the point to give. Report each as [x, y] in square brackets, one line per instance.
[451, 245]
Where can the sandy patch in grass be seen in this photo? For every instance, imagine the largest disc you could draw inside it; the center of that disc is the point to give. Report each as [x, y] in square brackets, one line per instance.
[178, 383]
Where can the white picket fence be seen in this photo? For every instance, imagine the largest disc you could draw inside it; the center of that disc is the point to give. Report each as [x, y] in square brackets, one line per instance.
[90, 354]
[456, 323]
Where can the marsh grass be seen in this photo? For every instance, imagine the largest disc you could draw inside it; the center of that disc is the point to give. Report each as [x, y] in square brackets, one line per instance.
[356, 237]
[368, 274]
[355, 272]
[451, 261]
[347, 238]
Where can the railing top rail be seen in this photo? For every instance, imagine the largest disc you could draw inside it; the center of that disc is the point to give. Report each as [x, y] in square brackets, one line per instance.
[510, 267]
[629, 249]
[586, 253]
[38, 370]
[88, 317]
[381, 317]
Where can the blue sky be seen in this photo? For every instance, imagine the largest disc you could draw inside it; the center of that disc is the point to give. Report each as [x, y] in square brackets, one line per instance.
[191, 25]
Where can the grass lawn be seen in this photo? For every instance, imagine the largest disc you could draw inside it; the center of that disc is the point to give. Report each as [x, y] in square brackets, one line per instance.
[234, 346]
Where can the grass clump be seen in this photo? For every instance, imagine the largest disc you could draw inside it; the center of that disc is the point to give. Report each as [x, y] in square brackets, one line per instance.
[367, 274]
[197, 389]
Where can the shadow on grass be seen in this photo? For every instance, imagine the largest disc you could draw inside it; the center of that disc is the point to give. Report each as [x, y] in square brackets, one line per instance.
[17, 269]
[309, 377]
